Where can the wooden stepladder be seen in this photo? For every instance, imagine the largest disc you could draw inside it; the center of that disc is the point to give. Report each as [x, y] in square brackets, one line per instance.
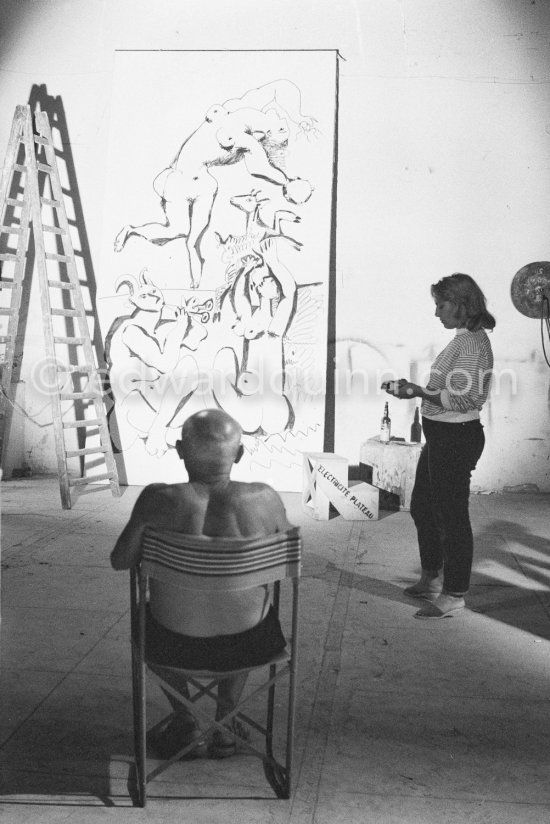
[31, 195]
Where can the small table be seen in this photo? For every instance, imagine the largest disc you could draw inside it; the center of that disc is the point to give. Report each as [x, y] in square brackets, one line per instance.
[391, 467]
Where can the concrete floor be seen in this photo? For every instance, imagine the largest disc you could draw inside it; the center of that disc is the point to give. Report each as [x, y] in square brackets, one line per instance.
[399, 721]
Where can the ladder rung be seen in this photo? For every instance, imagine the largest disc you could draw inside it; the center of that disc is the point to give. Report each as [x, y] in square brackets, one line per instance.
[44, 167]
[12, 230]
[106, 477]
[61, 284]
[92, 450]
[5, 310]
[7, 283]
[19, 167]
[79, 424]
[60, 258]
[67, 313]
[70, 341]
[9, 256]
[4, 338]
[48, 201]
[85, 368]
[15, 201]
[55, 229]
[44, 141]
[80, 396]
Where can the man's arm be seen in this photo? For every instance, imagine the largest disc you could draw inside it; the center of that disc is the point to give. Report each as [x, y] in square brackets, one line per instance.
[127, 551]
[277, 507]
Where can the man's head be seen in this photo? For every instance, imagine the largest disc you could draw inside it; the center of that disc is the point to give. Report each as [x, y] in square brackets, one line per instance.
[210, 444]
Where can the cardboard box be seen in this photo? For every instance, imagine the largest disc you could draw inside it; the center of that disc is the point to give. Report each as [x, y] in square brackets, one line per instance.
[326, 492]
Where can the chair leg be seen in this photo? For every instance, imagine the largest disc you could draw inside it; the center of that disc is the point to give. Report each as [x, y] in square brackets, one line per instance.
[142, 765]
[270, 714]
[276, 775]
[277, 778]
[291, 714]
[138, 699]
[135, 702]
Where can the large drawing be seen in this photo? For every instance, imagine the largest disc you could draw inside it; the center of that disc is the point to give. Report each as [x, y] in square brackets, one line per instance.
[248, 129]
[215, 265]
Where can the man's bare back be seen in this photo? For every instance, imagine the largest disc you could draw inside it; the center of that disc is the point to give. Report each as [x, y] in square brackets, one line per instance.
[209, 504]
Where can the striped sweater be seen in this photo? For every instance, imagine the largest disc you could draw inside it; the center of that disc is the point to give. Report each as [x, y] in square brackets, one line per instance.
[462, 372]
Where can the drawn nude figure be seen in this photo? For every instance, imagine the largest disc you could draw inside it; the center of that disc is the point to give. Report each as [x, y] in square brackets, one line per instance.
[255, 239]
[247, 129]
[252, 387]
[151, 371]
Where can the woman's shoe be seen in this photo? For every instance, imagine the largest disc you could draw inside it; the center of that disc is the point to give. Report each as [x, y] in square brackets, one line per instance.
[444, 606]
[428, 586]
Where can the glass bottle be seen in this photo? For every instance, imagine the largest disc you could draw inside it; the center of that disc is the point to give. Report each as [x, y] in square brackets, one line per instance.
[416, 428]
[385, 426]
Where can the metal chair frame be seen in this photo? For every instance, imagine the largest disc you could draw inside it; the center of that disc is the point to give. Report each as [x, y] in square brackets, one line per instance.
[222, 565]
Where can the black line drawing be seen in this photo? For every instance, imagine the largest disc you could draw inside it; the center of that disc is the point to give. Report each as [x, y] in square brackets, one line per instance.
[252, 129]
[251, 387]
[241, 241]
[151, 371]
[238, 249]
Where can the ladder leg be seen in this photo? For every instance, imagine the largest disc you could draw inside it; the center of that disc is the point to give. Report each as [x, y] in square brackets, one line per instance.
[10, 226]
[61, 302]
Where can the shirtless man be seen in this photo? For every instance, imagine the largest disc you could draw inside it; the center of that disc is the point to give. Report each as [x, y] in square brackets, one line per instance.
[208, 504]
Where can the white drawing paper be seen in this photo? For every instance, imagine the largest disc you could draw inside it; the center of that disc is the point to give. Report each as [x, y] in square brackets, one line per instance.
[214, 274]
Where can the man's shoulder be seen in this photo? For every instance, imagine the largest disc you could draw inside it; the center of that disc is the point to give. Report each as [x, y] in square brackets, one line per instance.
[251, 489]
[166, 506]
[153, 490]
[156, 493]
[262, 503]
[162, 488]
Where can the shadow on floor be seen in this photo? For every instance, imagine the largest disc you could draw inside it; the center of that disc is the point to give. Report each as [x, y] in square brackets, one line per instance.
[65, 785]
[523, 607]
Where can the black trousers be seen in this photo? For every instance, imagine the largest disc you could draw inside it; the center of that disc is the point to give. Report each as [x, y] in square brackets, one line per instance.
[220, 652]
[440, 499]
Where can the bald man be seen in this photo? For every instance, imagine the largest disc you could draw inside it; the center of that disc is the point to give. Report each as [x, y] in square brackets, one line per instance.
[234, 630]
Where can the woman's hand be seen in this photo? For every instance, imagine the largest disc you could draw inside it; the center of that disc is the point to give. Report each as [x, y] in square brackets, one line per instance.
[403, 389]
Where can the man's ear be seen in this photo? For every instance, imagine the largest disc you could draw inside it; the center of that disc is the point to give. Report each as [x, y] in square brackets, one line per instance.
[240, 453]
[179, 449]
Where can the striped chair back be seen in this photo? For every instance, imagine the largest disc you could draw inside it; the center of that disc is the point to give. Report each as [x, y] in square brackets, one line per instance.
[220, 564]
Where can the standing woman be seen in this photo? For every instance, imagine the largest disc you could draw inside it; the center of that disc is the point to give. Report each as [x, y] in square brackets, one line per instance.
[451, 402]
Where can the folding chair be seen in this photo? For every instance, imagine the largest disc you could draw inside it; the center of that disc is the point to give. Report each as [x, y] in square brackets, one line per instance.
[217, 565]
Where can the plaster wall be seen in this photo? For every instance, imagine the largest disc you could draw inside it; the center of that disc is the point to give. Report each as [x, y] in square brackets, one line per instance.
[443, 165]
